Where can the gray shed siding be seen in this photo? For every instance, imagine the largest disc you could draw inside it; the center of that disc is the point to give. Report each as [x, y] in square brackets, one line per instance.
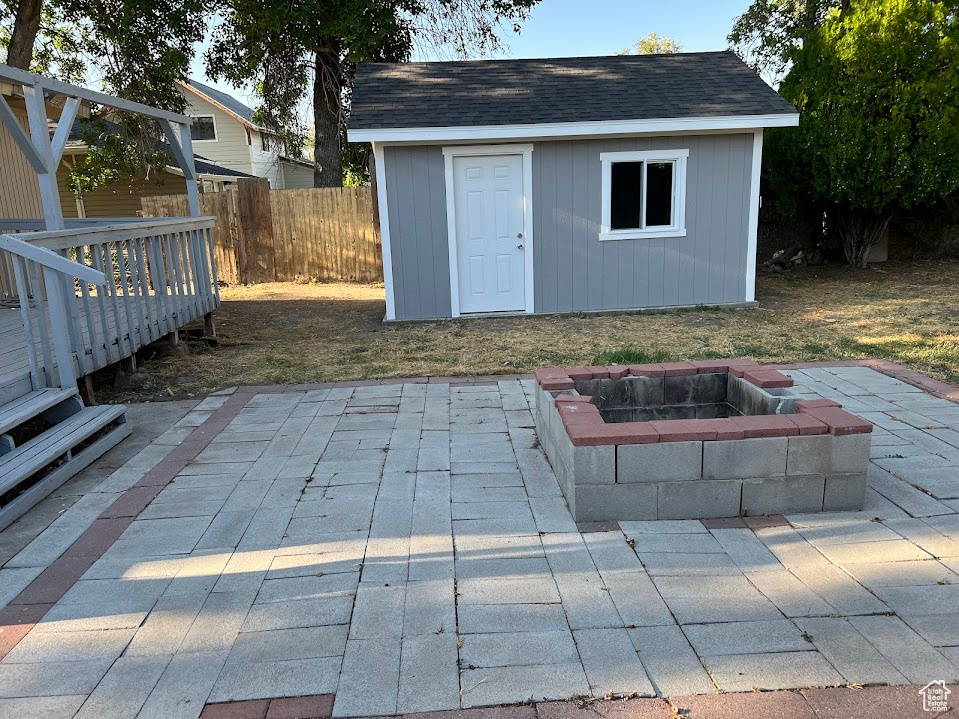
[416, 196]
[573, 270]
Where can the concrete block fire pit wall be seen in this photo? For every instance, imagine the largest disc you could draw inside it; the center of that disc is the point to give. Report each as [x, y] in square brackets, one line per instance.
[696, 440]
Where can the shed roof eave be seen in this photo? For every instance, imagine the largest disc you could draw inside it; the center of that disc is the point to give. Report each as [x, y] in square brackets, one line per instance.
[728, 123]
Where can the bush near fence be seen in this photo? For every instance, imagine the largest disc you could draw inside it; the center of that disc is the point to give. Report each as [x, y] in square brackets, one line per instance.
[265, 235]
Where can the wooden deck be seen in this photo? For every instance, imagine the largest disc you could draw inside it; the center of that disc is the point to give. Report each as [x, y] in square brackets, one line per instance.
[14, 358]
[157, 276]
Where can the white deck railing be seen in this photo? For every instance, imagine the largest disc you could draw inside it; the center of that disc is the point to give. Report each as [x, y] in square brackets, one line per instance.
[163, 277]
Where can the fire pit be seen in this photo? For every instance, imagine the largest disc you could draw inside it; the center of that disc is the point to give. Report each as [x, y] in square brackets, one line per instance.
[696, 440]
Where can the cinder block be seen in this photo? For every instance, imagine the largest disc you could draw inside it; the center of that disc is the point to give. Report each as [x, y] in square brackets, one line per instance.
[662, 462]
[695, 389]
[750, 399]
[850, 453]
[810, 455]
[828, 454]
[618, 502]
[624, 392]
[594, 465]
[844, 492]
[783, 495]
[740, 458]
[702, 499]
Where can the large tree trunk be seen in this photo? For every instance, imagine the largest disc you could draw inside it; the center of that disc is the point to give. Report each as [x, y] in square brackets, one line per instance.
[25, 29]
[327, 112]
[860, 232]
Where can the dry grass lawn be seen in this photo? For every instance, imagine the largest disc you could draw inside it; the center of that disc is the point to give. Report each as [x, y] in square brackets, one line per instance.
[291, 333]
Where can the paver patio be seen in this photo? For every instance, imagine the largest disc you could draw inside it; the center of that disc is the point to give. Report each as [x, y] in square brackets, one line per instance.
[406, 548]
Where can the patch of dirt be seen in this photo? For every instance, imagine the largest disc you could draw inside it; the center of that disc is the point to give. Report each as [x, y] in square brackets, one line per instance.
[291, 333]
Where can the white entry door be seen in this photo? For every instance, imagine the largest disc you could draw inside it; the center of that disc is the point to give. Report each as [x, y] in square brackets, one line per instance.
[490, 246]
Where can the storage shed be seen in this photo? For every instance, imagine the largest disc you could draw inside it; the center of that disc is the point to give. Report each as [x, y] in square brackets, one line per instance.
[566, 185]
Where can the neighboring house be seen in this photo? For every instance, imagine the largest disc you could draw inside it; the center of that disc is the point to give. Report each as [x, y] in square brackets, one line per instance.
[566, 185]
[223, 131]
[20, 195]
[122, 199]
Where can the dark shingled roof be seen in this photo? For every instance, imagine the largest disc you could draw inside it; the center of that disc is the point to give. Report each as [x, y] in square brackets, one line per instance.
[221, 98]
[578, 89]
[200, 163]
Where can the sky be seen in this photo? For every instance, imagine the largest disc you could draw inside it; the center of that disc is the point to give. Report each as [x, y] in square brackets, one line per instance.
[569, 28]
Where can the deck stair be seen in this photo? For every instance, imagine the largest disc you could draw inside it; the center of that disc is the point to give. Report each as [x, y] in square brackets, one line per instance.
[46, 437]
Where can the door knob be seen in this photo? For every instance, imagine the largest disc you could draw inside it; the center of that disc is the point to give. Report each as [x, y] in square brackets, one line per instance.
[519, 247]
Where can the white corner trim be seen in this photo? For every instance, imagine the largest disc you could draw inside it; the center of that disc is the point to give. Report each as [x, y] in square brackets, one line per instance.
[382, 204]
[473, 150]
[679, 157]
[451, 233]
[753, 227]
[572, 129]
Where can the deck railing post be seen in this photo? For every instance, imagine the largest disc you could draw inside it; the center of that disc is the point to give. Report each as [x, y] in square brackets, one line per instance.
[58, 323]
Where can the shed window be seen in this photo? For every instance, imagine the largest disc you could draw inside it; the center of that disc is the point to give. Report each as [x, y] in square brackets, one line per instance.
[644, 194]
[203, 128]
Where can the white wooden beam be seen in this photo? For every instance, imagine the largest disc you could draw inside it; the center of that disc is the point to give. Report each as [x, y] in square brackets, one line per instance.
[30, 79]
[40, 139]
[182, 146]
[64, 126]
[52, 260]
[13, 126]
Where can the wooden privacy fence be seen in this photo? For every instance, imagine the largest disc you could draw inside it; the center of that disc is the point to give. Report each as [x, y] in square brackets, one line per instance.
[264, 235]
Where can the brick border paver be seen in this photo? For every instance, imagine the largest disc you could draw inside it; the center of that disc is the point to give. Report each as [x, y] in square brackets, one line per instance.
[30, 606]
[881, 702]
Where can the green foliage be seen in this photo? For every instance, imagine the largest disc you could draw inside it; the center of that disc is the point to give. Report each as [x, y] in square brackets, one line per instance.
[115, 155]
[877, 87]
[770, 31]
[141, 48]
[653, 44]
[878, 92]
[291, 48]
[631, 355]
[58, 47]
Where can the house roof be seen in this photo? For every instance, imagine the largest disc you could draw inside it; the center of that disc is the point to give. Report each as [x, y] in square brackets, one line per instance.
[495, 93]
[241, 111]
[203, 166]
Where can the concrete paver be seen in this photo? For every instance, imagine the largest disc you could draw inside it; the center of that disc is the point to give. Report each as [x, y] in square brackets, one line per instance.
[407, 548]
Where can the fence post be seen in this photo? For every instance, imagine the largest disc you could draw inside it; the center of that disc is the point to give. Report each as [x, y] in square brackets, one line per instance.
[256, 217]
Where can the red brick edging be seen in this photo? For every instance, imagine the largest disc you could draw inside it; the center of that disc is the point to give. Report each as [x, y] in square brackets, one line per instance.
[316, 706]
[586, 427]
[876, 702]
[26, 609]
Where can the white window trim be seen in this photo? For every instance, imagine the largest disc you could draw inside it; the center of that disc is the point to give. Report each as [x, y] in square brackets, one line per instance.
[473, 150]
[216, 133]
[678, 228]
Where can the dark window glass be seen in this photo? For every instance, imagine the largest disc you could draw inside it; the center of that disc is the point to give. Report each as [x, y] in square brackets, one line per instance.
[659, 194]
[625, 195]
[203, 128]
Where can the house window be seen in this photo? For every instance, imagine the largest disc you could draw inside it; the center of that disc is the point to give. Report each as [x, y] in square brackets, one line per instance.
[203, 128]
[644, 194]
